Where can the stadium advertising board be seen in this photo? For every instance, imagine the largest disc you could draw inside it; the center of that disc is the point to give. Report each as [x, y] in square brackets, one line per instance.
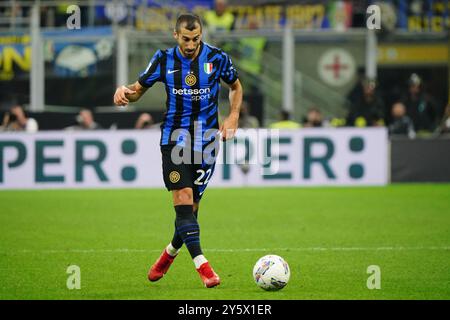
[122, 159]
[416, 16]
[160, 16]
[15, 56]
[60, 55]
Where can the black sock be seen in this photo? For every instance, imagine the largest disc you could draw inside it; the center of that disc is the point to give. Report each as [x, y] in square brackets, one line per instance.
[188, 229]
[177, 242]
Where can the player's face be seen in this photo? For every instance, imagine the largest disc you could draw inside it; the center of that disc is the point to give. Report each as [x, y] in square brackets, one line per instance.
[189, 41]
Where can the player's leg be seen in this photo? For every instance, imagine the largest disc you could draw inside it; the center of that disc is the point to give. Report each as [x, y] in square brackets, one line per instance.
[179, 180]
[176, 177]
[177, 242]
[203, 172]
[188, 230]
[186, 226]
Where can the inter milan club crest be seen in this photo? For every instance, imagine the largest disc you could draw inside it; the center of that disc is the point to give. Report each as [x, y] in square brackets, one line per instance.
[190, 79]
[208, 67]
[174, 176]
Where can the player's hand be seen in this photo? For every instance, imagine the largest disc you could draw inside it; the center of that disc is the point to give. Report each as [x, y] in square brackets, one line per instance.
[229, 127]
[120, 98]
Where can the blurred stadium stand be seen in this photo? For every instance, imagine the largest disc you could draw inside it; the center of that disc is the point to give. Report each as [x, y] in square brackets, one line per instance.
[310, 53]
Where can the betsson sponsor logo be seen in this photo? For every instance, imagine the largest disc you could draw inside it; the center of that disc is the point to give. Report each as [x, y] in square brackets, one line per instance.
[196, 94]
[191, 91]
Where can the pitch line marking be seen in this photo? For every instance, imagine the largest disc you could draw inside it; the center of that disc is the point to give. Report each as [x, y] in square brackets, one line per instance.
[311, 249]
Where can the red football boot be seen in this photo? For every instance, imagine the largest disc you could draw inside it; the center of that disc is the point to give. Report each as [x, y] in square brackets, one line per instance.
[160, 267]
[209, 277]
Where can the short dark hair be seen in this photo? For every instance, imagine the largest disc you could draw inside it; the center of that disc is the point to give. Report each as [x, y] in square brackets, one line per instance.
[190, 20]
[285, 115]
[314, 109]
[85, 110]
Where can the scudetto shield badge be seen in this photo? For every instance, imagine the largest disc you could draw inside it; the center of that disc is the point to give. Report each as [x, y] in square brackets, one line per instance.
[208, 67]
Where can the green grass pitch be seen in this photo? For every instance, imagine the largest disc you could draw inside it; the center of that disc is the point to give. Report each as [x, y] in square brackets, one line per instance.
[329, 237]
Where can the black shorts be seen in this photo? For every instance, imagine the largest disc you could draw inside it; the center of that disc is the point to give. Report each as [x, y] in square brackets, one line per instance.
[187, 169]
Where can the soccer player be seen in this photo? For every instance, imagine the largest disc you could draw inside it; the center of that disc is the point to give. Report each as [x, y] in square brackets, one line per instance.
[190, 132]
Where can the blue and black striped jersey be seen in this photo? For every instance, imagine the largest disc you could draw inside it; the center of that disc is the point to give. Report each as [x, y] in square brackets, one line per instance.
[192, 88]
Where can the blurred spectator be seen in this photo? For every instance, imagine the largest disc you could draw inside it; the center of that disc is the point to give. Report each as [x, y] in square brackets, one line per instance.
[85, 120]
[219, 19]
[113, 12]
[246, 120]
[420, 107]
[18, 15]
[14, 15]
[336, 122]
[401, 124]
[367, 110]
[16, 120]
[61, 14]
[444, 127]
[314, 118]
[358, 89]
[285, 122]
[250, 53]
[145, 121]
[338, 15]
[47, 16]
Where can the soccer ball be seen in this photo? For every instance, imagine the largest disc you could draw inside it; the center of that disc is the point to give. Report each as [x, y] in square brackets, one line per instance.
[271, 272]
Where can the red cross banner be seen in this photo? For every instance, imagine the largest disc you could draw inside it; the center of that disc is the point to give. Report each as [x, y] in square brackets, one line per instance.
[336, 67]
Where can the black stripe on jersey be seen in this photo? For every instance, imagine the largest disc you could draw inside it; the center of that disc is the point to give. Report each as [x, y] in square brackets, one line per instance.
[163, 66]
[213, 52]
[178, 84]
[163, 79]
[224, 61]
[196, 107]
[143, 79]
[216, 69]
[195, 71]
[214, 100]
[210, 120]
[213, 57]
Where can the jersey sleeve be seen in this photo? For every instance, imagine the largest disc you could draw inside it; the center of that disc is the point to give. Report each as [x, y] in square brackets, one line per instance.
[228, 72]
[152, 73]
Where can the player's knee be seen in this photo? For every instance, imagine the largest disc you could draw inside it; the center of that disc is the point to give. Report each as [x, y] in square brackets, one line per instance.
[183, 196]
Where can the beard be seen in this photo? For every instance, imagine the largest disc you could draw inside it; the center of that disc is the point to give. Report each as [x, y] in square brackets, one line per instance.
[189, 53]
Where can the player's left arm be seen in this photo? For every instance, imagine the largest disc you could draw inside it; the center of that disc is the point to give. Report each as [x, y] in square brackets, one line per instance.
[230, 124]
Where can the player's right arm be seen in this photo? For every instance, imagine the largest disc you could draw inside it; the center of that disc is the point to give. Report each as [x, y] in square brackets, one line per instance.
[130, 93]
[133, 92]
